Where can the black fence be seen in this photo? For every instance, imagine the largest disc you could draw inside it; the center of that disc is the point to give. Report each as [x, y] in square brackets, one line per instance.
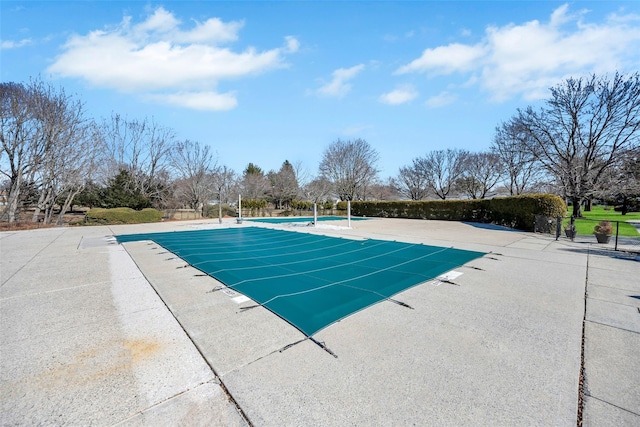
[619, 236]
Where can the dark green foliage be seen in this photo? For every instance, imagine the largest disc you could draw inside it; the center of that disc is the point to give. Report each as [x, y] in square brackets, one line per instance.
[252, 169]
[91, 196]
[516, 212]
[121, 192]
[123, 216]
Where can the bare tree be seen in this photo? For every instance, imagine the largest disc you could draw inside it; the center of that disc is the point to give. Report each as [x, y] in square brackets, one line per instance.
[303, 175]
[521, 170]
[284, 185]
[584, 128]
[482, 171]
[351, 167]
[22, 145]
[621, 182]
[317, 190]
[411, 182]
[141, 147]
[193, 165]
[225, 181]
[233, 187]
[70, 145]
[442, 169]
[80, 163]
[49, 144]
[254, 183]
[222, 179]
[381, 190]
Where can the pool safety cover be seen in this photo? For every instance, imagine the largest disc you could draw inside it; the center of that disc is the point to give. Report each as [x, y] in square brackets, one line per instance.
[309, 280]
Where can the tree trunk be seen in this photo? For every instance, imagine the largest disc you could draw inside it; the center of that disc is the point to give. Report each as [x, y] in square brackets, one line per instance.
[588, 205]
[36, 212]
[14, 195]
[625, 205]
[577, 205]
[67, 204]
[48, 213]
[45, 196]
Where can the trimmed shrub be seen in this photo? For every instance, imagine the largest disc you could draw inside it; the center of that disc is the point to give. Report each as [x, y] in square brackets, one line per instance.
[342, 205]
[123, 216]
[515, 212]
[253, 207]
[212, 211]
[301, 204]
[327, 205]
[519, 211]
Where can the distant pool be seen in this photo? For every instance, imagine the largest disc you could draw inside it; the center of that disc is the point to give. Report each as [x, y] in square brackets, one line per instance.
[283, 219]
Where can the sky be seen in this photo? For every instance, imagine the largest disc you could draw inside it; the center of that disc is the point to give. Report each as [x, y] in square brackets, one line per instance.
[267, 81]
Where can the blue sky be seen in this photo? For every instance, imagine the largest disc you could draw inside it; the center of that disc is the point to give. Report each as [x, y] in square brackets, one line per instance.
[265, 82]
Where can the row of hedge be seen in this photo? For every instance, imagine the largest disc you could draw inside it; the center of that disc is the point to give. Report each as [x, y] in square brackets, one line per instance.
[515, 212]
[122, 216]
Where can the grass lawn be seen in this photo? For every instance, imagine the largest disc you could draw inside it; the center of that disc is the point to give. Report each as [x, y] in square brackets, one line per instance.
[598, 213]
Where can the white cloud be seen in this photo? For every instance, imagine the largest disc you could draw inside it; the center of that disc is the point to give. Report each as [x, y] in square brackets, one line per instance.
[161, 21]
[292, 44]
[204, 101]
[356, 129]
[526, 59]
[445, 59]
[440, 100]
[157, 58]
[399, 96]
[339, 85]
[11, 44]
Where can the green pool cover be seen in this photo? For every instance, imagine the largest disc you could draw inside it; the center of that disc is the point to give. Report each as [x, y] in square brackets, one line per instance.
[311, 281]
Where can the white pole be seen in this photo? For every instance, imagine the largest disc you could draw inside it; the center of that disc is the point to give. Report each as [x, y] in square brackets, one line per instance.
[239, 208]
[315, 214]
[349, 213]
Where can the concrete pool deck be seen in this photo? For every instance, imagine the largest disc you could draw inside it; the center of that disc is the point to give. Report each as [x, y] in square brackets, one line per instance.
[92, 332]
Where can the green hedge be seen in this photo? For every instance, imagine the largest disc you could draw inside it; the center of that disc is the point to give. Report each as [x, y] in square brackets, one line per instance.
[515, 212]
[123, 216]
[213, 211]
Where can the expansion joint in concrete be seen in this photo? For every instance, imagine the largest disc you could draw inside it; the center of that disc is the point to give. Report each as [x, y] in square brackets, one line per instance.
[582, 377]
[197, 347]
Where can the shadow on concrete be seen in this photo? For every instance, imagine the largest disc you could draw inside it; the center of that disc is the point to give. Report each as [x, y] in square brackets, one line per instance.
[609, 252]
